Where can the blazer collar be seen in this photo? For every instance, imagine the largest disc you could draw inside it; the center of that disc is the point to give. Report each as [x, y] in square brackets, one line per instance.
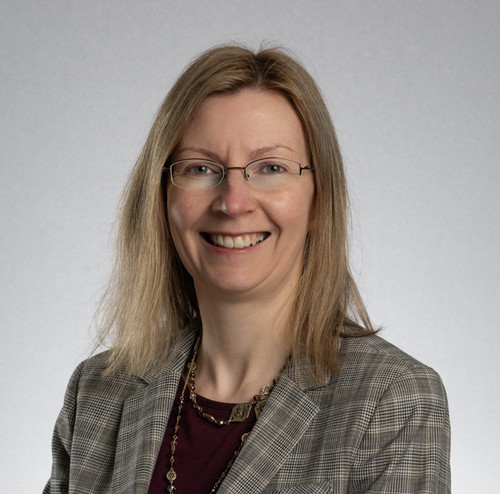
[284, 420]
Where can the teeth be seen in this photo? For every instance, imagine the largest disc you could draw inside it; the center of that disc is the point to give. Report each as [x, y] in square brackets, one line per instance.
[238, 242]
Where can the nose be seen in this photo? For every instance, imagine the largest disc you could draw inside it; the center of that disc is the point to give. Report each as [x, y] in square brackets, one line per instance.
[234, 194]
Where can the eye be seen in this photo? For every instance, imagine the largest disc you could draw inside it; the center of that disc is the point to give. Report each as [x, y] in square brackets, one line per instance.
[199, 168]
[271, 167]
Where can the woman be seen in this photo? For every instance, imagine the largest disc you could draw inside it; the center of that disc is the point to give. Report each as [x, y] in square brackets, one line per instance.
[243, 359]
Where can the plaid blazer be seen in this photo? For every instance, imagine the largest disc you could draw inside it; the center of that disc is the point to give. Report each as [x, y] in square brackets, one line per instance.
[379, 425]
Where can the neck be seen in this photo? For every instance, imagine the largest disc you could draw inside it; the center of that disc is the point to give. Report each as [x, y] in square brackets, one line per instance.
[244, 347]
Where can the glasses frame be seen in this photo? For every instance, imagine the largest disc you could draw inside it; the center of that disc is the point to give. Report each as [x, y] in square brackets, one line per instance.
[225, 169]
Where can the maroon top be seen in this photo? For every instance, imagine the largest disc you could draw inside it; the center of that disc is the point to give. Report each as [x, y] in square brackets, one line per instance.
[203, 449]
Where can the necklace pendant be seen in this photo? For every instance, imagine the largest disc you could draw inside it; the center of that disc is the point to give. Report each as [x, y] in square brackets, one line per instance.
[240, 412]
[259, 406]
[171, 476]
[266, 389]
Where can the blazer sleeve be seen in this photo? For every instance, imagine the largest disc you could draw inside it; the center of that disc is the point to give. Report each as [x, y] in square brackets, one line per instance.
[406, 446]
[62, 439]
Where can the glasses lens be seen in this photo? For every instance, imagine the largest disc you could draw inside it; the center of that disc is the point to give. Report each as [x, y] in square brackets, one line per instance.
[273, 173]
[196, 174]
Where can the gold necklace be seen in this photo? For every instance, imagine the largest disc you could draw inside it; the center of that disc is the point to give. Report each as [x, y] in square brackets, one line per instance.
[239, 413]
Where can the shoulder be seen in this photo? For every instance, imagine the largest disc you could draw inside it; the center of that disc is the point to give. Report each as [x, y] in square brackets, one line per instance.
[92, 403]
[375, 360]
[93, 372]
[381, 376]
[91, 387]
[93, 384]
[402, 412]
[381, 419]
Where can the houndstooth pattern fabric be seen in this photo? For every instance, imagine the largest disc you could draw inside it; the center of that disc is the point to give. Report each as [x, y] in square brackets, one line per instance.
[380, 425]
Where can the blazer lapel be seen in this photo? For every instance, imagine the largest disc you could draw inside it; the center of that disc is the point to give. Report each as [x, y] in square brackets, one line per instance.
[284, 420]
[144, 420]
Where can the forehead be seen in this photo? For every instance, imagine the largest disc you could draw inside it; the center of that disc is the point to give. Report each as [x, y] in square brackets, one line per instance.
[243, 122]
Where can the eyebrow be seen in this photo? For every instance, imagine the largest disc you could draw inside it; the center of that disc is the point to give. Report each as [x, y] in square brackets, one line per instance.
[253, 155]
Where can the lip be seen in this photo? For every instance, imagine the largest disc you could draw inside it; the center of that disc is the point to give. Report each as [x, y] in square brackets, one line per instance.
[234, 241]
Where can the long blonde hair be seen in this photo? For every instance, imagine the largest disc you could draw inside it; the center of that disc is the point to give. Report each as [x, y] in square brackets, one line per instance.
[151, 297]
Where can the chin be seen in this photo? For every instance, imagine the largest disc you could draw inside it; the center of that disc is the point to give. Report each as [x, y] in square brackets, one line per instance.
[230, 285]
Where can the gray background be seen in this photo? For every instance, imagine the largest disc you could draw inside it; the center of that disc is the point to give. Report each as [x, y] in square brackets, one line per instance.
[413, 87]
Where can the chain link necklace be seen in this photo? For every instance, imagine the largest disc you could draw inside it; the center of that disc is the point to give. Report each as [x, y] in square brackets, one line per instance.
[239, 413]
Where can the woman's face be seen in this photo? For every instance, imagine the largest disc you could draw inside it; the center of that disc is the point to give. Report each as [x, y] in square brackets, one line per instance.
[235, 238]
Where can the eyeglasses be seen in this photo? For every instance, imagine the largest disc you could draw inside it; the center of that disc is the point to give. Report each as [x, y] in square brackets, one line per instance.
[264, 173]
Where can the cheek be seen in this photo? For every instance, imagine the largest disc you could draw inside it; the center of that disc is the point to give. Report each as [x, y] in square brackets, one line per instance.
[293, 217]
[175, 217]
[178, 216]
[299, 208]
[179, 223]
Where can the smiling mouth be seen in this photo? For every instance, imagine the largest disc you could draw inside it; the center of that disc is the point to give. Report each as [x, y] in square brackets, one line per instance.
[236, 242]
